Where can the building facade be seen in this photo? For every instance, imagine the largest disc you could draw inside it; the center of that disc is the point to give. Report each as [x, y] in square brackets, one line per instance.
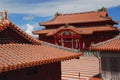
[78, 30]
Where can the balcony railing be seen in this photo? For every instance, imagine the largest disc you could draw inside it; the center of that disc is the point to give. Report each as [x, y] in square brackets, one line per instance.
[67, 36]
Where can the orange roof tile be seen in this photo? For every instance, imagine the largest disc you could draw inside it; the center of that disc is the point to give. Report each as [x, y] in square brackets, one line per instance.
[16, 56]
[95, 79]
[92, 16]
[109, 45]
[5, 24]
[43, 31]
[82, 30]
[91, 30]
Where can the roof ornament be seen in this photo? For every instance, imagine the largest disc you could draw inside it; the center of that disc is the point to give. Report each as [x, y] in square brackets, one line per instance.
[4, 15]
[102, 9]
[1, 16]
[66, 25]
[58, 14]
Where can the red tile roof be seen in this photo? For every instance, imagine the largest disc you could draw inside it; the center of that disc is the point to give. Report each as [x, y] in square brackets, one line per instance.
[109, 45]
[16, 56]
[44, 31]
[82, 30]
[91, 30]
[85, 17]
[95, 79]
[5, 24]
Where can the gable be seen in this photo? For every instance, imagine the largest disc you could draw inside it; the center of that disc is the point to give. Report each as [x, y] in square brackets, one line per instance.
[23, 37]
[70, 30]
[10, 36]
[65, 32]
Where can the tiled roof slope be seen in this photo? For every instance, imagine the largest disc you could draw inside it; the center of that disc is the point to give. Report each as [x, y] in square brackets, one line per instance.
[44, 31]
[109, 45]
[16, 56]
[82, 30]
[92, 16]
[6, 23]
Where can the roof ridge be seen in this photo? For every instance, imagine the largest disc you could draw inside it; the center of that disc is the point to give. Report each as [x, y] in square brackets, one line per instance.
[61, 47]
[16, 44]
[24, 34]
[4, 24]
[78, 13]
[105, 17]
[48, 20]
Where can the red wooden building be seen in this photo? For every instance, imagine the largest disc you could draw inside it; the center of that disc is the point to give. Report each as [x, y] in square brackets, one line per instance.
[78, 30]
[25, 58]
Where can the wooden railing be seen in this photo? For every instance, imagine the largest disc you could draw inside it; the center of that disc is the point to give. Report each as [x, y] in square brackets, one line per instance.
[67, 36]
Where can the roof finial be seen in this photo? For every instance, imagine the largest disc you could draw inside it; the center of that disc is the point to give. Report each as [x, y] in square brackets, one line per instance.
[58, 14]
[66, 25]
[6, 14]
[102, 9]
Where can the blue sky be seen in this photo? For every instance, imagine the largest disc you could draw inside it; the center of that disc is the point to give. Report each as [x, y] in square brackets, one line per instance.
[28, 13]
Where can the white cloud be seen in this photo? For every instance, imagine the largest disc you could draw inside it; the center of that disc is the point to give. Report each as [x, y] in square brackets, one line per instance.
[35, 26]
[29, 30]
[28, 18]
[51, 7]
